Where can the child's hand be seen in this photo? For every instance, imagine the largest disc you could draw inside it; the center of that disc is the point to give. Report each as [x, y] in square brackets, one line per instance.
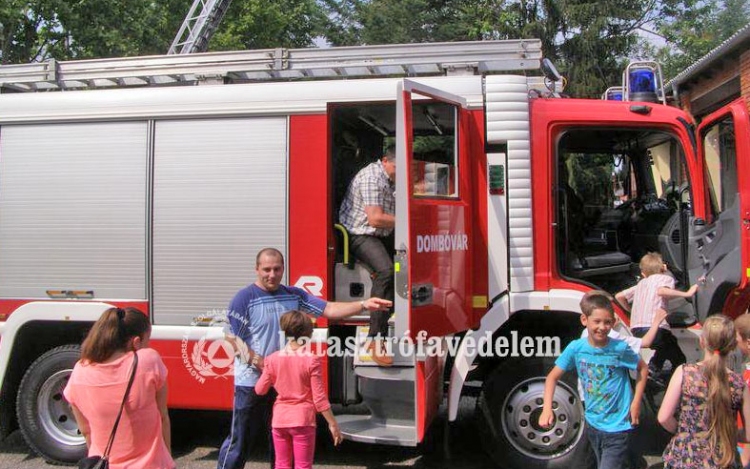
[635, 412]
[659, 317]
[335, 433]
[547, 418]
[691, 291]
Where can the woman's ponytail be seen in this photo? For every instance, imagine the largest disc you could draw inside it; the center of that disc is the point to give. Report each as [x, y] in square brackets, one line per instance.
[112, 333]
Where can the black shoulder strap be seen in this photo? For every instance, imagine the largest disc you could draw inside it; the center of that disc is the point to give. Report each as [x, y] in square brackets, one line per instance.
[122, 406]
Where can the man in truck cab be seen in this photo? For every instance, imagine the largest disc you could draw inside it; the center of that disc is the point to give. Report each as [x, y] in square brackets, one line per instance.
[368, 213]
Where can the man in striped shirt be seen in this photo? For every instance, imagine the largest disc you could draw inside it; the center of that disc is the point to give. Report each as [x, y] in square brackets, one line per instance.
[646, 297]
[253, 316]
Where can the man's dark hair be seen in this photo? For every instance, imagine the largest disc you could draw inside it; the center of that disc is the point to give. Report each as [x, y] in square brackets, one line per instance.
[390, 152]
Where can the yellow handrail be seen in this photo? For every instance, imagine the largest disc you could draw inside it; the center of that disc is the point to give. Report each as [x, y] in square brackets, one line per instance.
[345, 235]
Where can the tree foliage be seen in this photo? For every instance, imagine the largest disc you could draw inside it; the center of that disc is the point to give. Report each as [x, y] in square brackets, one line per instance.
[692, 28]
[80, 29]
[589, 41]
[260, 24]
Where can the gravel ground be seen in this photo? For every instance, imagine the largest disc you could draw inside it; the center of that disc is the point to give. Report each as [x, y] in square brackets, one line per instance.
[197, 436]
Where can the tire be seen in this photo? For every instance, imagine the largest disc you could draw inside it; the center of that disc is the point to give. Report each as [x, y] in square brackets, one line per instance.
[44, 416]
[509, 408]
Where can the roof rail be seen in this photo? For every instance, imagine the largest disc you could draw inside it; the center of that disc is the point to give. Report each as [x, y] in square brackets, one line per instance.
[277, 64]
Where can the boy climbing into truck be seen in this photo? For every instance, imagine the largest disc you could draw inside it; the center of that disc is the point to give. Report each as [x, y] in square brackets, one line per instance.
[651, 293]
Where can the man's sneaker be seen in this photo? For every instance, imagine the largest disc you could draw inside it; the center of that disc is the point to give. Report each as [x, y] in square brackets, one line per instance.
[379, 353]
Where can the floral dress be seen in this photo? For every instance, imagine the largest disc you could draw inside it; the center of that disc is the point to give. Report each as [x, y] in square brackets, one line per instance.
[689, 447]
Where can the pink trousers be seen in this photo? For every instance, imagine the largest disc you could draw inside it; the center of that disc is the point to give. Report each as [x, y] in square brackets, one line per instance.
[294, 444]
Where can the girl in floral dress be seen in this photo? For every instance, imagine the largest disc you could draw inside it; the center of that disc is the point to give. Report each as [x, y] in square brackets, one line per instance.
[706, 397]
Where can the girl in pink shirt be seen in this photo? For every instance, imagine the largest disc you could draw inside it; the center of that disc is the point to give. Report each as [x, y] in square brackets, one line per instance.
[296, 375]
[97, 385]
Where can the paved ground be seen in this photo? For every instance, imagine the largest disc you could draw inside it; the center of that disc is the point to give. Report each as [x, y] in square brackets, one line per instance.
[197, 435]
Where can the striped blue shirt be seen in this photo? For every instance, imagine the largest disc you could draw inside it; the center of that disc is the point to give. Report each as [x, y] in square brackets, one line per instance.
[254, 316]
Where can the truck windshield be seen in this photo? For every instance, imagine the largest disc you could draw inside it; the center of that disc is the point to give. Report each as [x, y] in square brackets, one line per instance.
[619, 196]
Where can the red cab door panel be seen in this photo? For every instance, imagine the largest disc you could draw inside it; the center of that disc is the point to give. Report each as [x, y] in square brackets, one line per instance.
[433, 216]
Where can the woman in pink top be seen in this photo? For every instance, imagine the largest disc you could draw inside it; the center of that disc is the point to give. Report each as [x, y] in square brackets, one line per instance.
[296, 375]
[97, 386]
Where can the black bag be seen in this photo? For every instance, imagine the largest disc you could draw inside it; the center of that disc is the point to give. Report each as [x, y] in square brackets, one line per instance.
[93, 462]
[102, 462]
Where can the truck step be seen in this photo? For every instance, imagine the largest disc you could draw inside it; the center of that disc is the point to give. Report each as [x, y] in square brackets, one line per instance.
[365, 429]
[362, 356]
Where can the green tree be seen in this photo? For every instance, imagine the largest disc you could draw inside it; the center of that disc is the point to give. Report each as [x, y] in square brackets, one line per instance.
[588, 40]
[81, 29]
[692, 28]
[259, 24]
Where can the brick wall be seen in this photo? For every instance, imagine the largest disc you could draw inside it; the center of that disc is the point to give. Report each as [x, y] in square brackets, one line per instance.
[745, 76]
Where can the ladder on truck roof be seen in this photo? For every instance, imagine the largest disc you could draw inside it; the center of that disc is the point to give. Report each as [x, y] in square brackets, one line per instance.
[277, 64]
[199, 25]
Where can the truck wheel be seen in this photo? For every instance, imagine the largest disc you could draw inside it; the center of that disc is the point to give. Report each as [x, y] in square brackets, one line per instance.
[509, 408]
[44, 416]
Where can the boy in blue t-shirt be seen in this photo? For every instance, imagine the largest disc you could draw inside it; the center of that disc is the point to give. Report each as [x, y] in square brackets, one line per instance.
[602, 364]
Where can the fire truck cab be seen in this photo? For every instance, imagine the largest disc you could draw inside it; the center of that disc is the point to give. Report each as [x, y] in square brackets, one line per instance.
[120, 187]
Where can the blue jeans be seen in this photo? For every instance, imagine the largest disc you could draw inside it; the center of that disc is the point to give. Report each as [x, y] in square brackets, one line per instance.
[251, 416]
[610, 449]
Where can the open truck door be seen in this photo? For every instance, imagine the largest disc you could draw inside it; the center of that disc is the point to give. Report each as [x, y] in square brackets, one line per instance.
[719, 243]
[433, 218]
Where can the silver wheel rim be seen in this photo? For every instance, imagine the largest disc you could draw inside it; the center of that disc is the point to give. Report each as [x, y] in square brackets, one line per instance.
[520, 419]
[55, 413]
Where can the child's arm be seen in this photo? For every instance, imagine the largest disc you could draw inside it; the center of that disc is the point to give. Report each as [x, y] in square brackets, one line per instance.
[640, 386]
[547, 417]
[659, 317]
[333, 426]
[265, 381]
[622, 298]
[320, 399]
[667, 292]
[671, 401]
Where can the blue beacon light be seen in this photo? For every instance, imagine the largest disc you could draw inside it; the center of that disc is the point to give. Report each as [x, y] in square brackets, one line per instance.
[614, 95]
[642, 85]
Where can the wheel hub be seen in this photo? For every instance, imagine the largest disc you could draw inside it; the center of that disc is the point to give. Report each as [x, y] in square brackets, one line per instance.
[55, 413]
[520, 419]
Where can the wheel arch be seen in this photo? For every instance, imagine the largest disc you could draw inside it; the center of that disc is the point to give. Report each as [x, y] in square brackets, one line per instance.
[565, 325]
[528, 314]
[30, 331]
[31, 340]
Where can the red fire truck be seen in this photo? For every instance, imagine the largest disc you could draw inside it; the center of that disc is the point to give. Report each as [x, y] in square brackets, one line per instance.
[119, 186]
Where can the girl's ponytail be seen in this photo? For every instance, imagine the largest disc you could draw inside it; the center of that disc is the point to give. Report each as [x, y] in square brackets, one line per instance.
[719, 338]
